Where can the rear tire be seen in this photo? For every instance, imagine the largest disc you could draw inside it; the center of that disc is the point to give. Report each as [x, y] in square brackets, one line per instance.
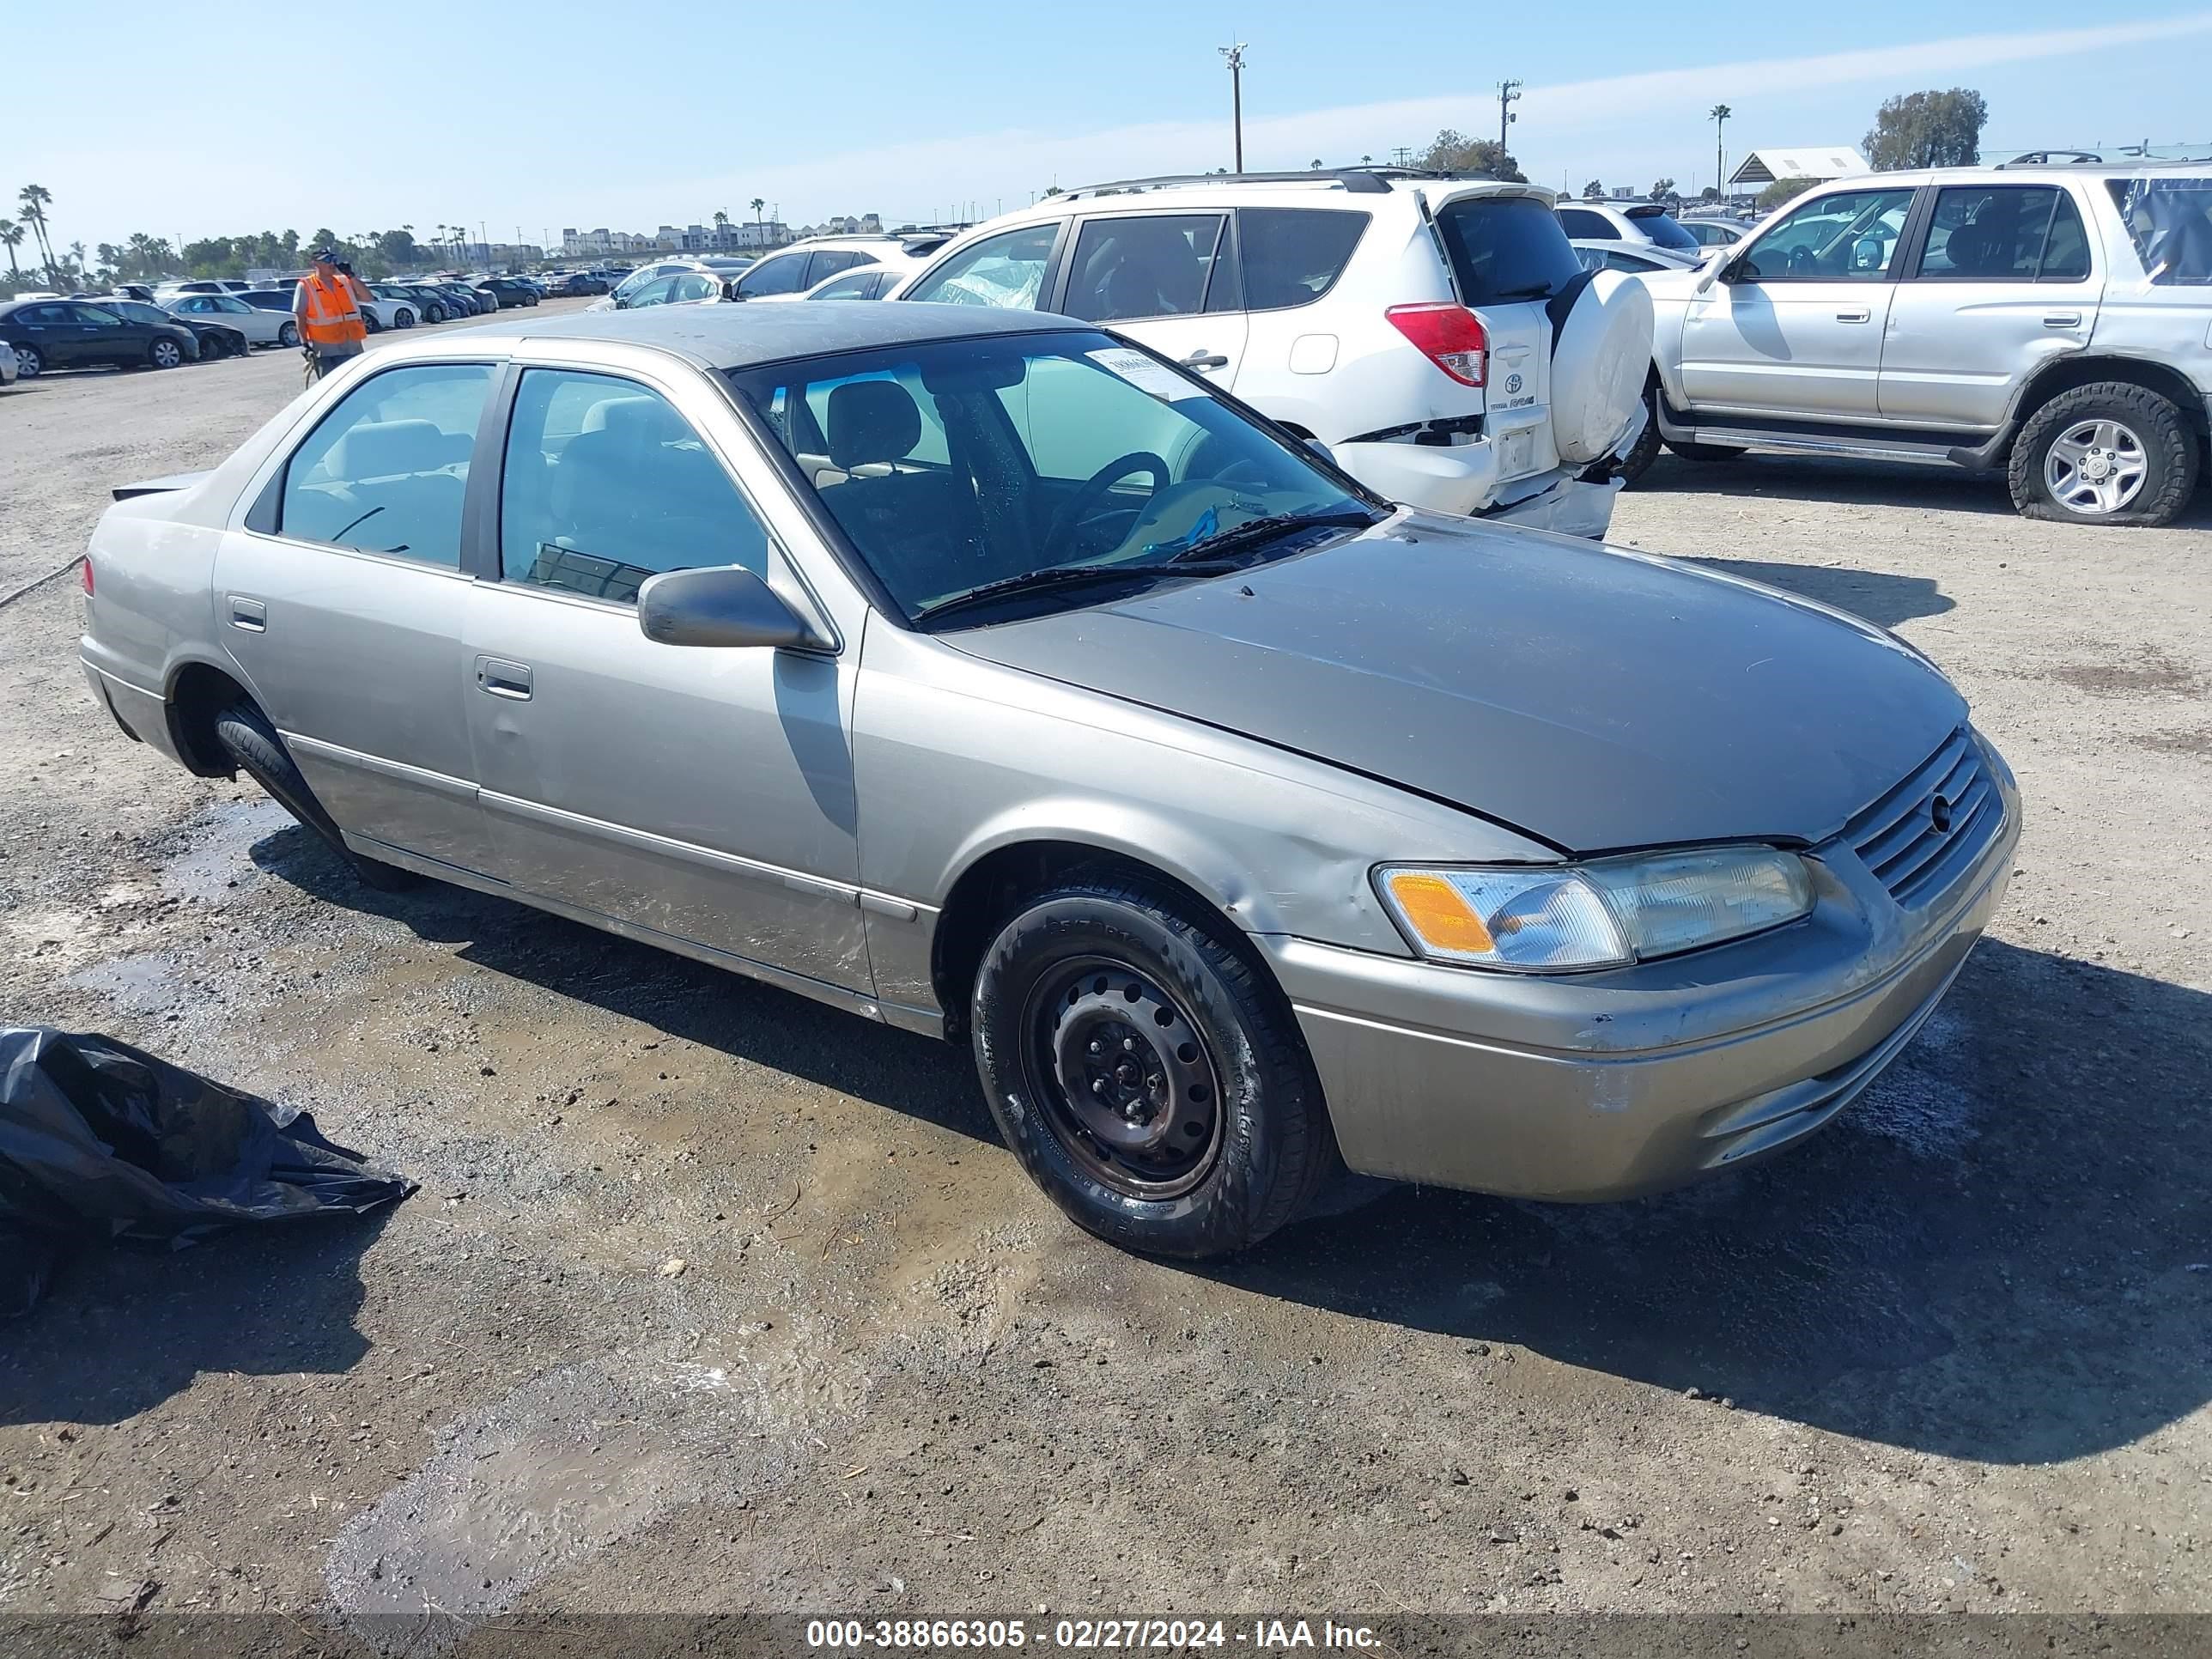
[289, 337]
[2154, 438]
[29, 364]
[1690, 452]
[248, 738]
[1150, 1077]
[1637, 461]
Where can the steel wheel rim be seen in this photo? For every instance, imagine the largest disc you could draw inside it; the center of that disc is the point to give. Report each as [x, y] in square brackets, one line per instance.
[2094, 468]
[1123, 1078]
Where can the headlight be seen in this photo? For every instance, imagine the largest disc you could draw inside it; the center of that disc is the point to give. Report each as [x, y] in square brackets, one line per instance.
[1606, 913]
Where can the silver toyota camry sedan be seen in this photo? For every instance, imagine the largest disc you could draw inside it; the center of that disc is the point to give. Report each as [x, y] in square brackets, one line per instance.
[990, 677]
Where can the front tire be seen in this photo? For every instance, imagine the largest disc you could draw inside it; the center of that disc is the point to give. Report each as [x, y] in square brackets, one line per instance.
[289, 337]
[1150, 1077]
[164, 354]
[404, 319]
[249, 739]
[2106, 454]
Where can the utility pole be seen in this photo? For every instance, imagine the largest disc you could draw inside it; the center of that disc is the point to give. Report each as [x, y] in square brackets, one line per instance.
[1509, 94]
[1235, 54]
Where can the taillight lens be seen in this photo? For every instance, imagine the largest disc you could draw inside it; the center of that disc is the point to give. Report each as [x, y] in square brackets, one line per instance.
[1449, 336]
[86, 565]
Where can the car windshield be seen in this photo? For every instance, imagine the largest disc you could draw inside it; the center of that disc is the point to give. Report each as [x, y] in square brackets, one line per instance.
[1059, 469]
[2170, 219]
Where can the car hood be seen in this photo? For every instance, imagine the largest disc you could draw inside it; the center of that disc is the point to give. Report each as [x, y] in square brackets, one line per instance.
[1596, 699]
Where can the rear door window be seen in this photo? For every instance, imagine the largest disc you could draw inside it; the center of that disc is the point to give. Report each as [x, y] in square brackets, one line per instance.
[1586, 226]
[828, 262]
[1659, 225]
[1137, 265]
[2004, 234]
[387, 470]
[786, 275]
[1292, 256]
[1506, 249]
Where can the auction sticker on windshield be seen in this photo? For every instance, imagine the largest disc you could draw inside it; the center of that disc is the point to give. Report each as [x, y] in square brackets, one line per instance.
[1142, 372]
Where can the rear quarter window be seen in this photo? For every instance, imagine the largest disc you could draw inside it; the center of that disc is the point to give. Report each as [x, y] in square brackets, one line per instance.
[1505, 249]
[1292, 256]
[2169, 219]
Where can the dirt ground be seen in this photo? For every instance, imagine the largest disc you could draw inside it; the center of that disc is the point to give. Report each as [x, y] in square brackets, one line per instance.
[1953, 1353]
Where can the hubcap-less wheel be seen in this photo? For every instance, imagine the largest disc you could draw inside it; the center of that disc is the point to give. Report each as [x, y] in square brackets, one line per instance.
[2094, 467]
[1129, 1088]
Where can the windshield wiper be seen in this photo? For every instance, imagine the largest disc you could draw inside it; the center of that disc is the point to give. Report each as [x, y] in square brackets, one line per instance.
[1066, 575]
[1274, 525]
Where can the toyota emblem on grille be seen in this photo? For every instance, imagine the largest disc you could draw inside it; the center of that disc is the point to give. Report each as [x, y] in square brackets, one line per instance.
[1939, 813]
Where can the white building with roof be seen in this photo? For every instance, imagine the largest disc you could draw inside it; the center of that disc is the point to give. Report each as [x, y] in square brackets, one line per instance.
[1820, 163]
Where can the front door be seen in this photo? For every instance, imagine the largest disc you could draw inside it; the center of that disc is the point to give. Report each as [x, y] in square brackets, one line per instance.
[1794, 328]
[1162, 279]
[2005, 281]
[702, 793]
[342, 604]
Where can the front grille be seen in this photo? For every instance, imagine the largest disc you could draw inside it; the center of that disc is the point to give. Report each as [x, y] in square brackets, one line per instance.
[1897, 839]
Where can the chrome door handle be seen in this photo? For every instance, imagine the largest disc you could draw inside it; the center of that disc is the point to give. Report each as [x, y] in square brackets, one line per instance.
[1203, 359]
[250, 615]
[1854, 316]
[2062, 319]
[502, 678]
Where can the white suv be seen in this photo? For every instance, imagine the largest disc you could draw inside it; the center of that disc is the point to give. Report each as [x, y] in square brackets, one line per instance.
[1635, 224]
[1437, 334]
[788, 273]
[2055, 321]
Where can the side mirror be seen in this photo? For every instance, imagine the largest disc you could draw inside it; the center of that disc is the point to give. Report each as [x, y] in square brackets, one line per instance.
[721, 605]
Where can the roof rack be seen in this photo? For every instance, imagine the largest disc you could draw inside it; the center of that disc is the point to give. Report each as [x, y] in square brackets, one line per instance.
[2131, 156]
[1360, 181]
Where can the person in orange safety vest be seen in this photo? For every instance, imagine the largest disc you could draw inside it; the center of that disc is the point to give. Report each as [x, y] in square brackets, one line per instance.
[328, 304]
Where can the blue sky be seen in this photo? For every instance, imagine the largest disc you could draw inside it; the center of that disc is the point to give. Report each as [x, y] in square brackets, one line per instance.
[630, 114]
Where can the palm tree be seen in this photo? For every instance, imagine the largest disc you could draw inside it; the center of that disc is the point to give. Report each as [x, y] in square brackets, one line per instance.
[76, 256]
[11, 238]
[1316, 164]
[756, 204]
[1718, 116]
[36, 199]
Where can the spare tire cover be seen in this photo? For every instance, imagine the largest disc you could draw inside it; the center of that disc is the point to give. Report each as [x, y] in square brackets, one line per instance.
[1598, 366]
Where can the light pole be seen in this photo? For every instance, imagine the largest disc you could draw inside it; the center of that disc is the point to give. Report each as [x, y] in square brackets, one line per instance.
[1509, 94]
[1235, 54]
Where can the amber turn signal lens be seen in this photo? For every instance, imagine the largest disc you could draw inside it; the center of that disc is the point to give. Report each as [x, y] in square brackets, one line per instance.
[1432, 907]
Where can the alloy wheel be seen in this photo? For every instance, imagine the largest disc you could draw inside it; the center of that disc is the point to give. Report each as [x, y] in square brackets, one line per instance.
[2095, 467]
[1124, 1076]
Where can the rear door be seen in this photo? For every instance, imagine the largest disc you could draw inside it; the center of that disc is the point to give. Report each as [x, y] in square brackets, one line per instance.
[1796, 328]
[2005, 280]
[1163, 278]
[1508, 257]
[104, 337]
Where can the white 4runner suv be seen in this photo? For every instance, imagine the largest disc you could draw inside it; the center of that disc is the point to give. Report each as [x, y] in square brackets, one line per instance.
[1437, 334]
[2052, 320]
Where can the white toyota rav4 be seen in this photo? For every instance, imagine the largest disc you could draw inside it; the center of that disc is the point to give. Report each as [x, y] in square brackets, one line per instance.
[1437, 334]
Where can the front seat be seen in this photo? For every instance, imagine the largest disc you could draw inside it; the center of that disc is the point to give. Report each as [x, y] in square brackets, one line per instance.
[918, 517]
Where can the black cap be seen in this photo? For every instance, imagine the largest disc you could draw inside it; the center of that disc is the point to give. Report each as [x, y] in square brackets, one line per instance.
[322, 256]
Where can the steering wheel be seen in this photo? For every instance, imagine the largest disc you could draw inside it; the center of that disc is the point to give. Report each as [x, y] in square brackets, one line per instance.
[1086, 499]
[1800, 261]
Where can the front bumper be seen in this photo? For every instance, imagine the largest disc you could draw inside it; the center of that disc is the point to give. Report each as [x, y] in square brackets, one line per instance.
[1607, 1085]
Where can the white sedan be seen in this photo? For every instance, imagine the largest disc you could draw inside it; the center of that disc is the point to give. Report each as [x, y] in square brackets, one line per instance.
[261, 328]
[7, 364]
[390, 314]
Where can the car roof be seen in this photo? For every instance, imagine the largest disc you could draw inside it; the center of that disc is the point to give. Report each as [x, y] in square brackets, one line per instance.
[742, 337]
[1357, 187]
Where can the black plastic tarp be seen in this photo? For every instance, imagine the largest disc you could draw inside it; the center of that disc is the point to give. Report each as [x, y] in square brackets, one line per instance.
[99, 1140]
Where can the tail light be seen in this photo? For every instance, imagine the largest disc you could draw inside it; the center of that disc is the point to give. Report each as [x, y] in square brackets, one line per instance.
[1449, 336]
[86, 565]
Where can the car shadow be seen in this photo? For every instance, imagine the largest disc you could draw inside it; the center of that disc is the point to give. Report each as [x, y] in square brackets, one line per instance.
[121, 1327]
[1849, 482]
[1997, 1253]
[1876, 595]
[1994, 1254]
[919, 1076]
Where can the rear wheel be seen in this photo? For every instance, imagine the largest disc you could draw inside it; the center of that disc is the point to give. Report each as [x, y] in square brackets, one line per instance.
[1150, 1079]
[2108, 453]
[1637, 461]
[248, 738]
[289, 336]
[164, 353]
